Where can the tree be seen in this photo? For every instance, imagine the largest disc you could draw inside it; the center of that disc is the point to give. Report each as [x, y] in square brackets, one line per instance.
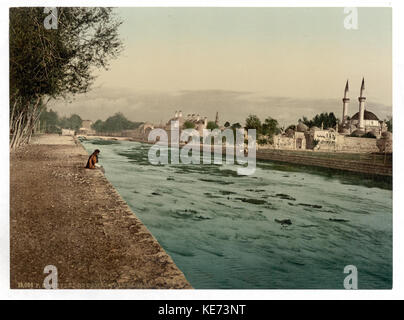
[227, 124]
[327, 120]
[116, 123]
[49, 121]
[189, 125]
[291, 127]
[270, 127]
[75, 122]
[47, 64]
[98, 126]
[389, 123]
[212, 125]
[253, 122]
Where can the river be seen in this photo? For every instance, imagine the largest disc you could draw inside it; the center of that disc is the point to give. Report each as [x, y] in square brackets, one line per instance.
[220, 227]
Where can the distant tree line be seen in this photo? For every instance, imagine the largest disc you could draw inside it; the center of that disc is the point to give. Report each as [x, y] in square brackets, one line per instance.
[116, 123]
[265, 130]
[328, 120]
[269, 127]
[51, 123]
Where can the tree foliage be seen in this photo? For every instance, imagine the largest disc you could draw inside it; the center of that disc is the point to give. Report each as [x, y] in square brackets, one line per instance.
[291, 127]
[212, 125]
[270, 127]
[46, 64]
[328, 120]
[389, 123]
[59, 61]
[189, 125]
[253, 122]
[49, 121]
[74, 122]
[116, 123]
[265, 130]
[98, 126]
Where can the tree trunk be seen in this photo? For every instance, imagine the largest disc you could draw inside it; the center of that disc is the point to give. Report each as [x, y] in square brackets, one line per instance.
[22, 122]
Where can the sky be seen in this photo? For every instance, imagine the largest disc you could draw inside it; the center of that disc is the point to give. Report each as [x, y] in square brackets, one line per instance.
[277, 62]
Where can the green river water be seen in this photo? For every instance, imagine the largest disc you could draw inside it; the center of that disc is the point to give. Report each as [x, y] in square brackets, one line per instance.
[220, 227]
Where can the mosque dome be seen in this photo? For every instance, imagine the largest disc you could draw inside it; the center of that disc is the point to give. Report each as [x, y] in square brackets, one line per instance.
[367, 116]
[301, 127]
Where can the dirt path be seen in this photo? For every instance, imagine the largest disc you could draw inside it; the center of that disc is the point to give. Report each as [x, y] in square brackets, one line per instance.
[64, 215]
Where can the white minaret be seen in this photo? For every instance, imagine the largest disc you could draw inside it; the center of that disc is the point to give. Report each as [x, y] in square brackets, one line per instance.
[345, 103]
[176, 114]
[362, 107]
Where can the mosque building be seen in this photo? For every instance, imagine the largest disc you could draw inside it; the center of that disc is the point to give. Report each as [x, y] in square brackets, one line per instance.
[363, 121]
[350, 135]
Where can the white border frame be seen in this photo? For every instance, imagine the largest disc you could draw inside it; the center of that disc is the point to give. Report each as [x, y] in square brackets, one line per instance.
[398, 175]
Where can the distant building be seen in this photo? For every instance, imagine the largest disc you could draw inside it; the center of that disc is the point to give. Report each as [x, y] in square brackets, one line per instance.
[199, 122]
[87, 124]
[86, 128]
[68, 132]
[346, 137]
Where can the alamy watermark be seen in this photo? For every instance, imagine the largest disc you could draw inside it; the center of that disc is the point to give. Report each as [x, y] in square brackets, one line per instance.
[351, 18]
[351, 280]
[51, 20]
[192, 143]
[51, 280]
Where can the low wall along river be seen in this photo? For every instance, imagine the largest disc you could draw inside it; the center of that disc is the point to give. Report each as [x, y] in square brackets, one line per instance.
[221, 230]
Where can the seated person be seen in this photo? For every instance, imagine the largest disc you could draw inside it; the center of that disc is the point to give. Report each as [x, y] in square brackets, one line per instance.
[92, 160]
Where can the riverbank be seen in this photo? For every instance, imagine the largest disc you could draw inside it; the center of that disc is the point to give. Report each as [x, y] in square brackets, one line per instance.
[376, 165]
[64, 215]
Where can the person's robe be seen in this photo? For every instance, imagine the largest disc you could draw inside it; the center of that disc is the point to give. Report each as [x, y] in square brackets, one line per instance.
[92, 160]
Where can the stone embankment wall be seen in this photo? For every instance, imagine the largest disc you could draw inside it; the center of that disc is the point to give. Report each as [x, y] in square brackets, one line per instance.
[368, 167]
[348, 144]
